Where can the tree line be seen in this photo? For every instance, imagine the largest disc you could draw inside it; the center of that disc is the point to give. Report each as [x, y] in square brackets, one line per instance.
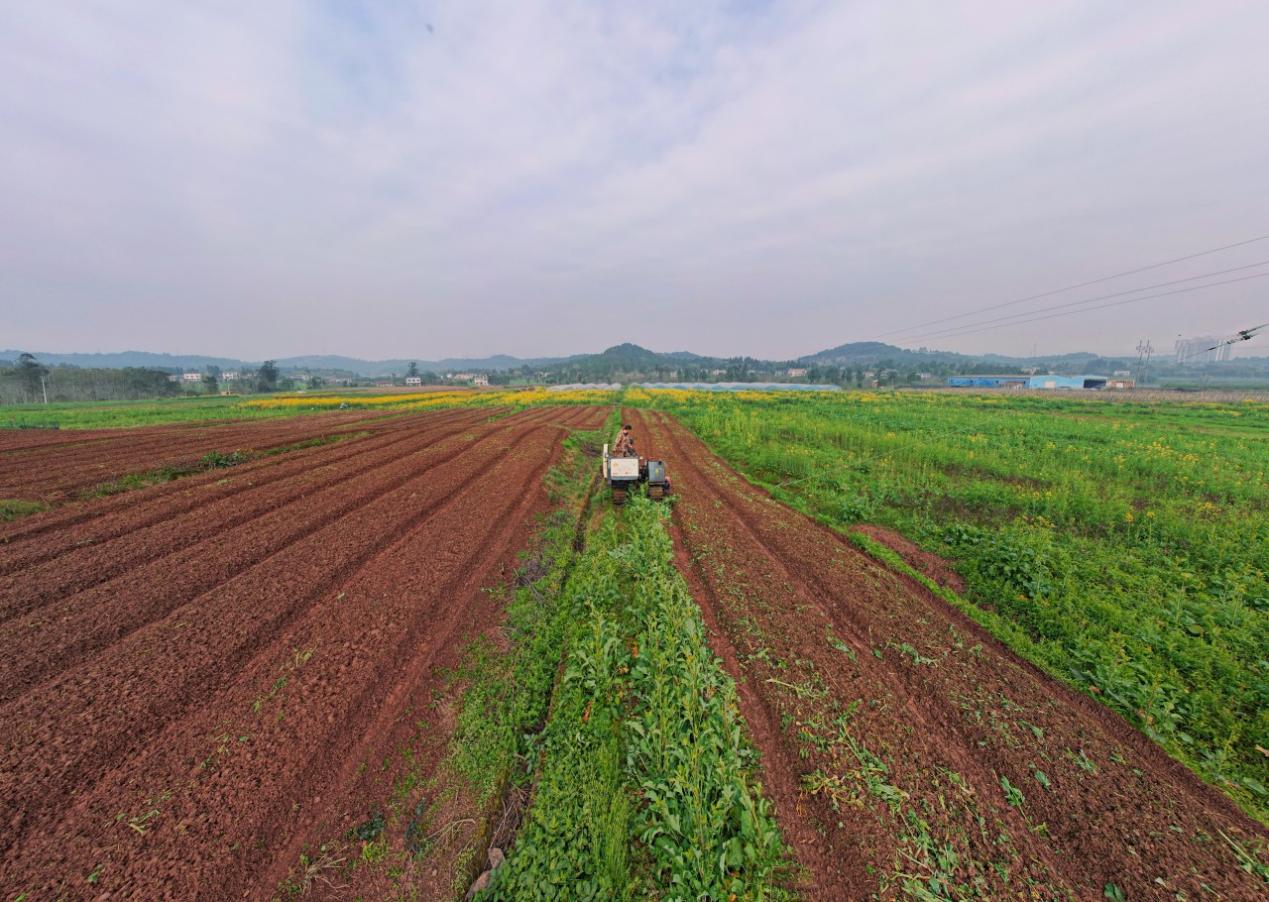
[28, 381]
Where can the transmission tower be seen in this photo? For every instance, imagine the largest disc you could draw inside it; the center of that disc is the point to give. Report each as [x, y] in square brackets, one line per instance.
[1144, 350]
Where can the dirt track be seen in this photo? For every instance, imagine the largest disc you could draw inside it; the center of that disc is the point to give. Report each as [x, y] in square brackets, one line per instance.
[198, 674]
[892, 728]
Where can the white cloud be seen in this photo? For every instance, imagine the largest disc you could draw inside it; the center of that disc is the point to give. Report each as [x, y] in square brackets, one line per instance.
[543, 178]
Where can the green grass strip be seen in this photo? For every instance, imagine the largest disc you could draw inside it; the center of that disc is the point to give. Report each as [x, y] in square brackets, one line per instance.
[647, 784]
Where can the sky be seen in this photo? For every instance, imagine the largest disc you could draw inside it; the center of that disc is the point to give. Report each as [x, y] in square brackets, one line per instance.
[442, 179]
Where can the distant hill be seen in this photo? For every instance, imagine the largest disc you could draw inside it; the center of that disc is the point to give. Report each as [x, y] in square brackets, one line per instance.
[330, 362]
[633, 362]
[121, 359]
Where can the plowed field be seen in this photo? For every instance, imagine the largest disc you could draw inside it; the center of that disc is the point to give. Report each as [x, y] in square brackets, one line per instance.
[51, 465]
[905, 750]
[197, 673]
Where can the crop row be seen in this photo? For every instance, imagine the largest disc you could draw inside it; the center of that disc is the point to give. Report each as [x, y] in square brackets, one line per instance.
[1122, 547]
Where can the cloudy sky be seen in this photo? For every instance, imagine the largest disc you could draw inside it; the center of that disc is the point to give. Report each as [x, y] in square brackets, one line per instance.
[393, 179]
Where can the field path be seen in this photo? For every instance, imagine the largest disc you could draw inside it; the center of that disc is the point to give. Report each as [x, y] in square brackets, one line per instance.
[904, 747]
[185, 723]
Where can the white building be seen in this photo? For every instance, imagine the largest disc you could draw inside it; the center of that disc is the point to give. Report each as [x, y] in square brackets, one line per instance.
[796, 372]
[231, 376]
[480, 380]
[413, 380]
[191, 377]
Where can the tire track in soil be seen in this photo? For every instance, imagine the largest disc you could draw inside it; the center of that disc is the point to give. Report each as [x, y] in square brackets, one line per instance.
[58, 637]
[84, 566]
[1136, 817]
[214, 840]
[67, 733]
[129, 511]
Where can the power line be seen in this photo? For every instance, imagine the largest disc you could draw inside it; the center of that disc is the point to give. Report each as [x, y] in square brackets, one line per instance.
[1036, 297]
[968, 330]
[1118, 294]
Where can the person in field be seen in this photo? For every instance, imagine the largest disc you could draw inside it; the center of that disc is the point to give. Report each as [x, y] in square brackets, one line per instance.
[624, 446]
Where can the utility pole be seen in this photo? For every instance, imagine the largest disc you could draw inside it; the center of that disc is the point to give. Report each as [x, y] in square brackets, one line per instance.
[44, 387]
[1144, 350]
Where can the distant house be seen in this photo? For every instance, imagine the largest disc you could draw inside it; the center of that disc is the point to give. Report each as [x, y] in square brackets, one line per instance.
[796, 372]
[231, 376]
[460, 377]
[191, 377]
[1120, 384]
[480, 380]
[413, 380]
[383, 384]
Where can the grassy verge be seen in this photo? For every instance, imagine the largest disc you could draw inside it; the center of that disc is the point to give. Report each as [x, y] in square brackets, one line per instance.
[1122, 547]
[645, 785]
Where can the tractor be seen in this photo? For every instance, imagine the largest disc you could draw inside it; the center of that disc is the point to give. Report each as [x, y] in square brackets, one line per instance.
[624, 469]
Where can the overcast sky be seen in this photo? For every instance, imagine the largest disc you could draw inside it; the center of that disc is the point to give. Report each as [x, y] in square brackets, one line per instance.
[264, 179]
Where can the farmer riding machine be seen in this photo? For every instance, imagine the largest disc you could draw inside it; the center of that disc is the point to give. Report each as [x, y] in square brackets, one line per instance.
[624, 469]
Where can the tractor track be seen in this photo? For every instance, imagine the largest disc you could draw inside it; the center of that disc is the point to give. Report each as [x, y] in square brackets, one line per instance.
[70, 733]
[937, 696]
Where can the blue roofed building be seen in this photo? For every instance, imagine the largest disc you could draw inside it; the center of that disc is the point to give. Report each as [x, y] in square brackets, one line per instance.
[1067, 382]
[1024, 381]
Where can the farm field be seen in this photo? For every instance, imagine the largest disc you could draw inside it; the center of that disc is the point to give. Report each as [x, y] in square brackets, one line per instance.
[400, 652]
[1123, 547]
[211, 408]
[910, 754]
[199, 671]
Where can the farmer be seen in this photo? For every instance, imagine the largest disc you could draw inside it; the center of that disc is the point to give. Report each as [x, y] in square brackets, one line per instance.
[624, 446]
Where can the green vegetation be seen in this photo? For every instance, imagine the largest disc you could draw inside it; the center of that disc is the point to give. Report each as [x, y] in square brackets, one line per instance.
[114, 414]
[15, 508]
[1123, 547]
[646, 785]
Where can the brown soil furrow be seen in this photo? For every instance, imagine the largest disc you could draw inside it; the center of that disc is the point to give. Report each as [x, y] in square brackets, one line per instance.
[939, 699]
[67, 733]
[138, 441]
[848, 851]
[116, 515]
[371, 643]
[53, 480]
[377, 673]
[84, 566]
[57, 637]
[53, 473]
[844, 865]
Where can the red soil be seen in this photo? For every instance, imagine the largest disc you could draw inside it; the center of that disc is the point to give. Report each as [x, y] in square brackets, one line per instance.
[888, 723]
[183, 723]
[53, 471]
[925, 562]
